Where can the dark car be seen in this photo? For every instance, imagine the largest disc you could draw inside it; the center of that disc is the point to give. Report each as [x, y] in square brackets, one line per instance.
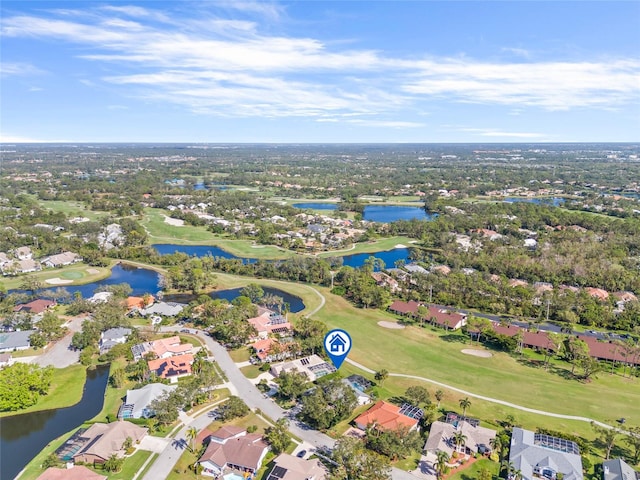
[301, 453]
[185, 330]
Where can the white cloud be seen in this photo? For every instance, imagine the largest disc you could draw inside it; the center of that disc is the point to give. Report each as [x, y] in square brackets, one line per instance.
[227, 67]
[489, 132]
[550, 85]
[18, 68]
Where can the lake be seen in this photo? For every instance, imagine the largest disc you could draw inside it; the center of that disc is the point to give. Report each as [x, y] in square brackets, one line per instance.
[198, 251]
[389, 257]
[315, 206]
[295, 303]
[391, 213]
[357, 260]
[550, 201]
[23, 436]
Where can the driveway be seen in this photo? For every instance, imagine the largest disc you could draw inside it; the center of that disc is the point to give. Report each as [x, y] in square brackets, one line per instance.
[60, 354]
[255, 400]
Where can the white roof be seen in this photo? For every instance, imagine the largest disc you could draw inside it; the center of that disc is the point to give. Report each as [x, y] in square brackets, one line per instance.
[142, 397]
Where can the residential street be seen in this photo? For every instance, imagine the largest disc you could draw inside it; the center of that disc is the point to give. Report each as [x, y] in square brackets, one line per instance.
[255, 400]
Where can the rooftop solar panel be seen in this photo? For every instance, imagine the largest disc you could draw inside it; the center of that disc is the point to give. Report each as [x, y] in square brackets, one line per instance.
[278, 472]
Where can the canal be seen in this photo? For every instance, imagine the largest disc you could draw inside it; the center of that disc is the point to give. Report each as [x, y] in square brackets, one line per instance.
[23, 436]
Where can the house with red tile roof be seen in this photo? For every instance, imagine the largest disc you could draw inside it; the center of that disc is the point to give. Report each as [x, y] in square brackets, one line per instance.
[598, 293]
[385, 416]
[268, 323]
[163, 348]
[172, 368]
[36, 306]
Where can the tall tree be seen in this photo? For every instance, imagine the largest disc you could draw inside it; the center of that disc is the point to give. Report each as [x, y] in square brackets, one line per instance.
[278, 436]
[465, 403]
[381, 376]
[606, 436]
[354, 462]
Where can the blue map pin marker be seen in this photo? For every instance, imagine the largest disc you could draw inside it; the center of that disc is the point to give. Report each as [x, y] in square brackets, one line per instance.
[337, 344]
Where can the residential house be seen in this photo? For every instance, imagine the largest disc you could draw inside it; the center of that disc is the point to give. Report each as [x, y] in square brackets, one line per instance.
[387, 281]
[598, 293]
[139, 303]
[618, 469]
[36, 306]
[268, 322]
[12, 341]
[385, 416]
[112, 337]
[5, 359]
[23, 253]
[288, 467]
[227, 432]
[409, 309]
[441, 437]
[20, 266]
[172, 368]
[244, 453]
[312, 366]
[445, 318]
[537, 455]
[137, 403]
[101, 440]
[271, 350]
[61, 259]
[76, 472]
[166, 309]
[162, 348]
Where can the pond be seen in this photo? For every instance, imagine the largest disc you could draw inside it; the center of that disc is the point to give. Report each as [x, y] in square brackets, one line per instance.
[391, 213]
[197, 250]
[295, 303]
[389, 257]
[315, 206]
[23, 436]
[550, 201]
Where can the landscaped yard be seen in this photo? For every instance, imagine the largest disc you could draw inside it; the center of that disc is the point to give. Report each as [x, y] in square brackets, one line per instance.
[471, 473]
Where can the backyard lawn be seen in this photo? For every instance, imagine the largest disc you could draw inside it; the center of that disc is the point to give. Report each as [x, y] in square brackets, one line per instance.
[66, 390]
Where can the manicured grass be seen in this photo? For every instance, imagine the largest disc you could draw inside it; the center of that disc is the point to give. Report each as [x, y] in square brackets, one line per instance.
[182, 470]
[77, 272]
[66, 390]
[131, 465]
[471, 473]
[112, 396]
[71, 208]
[240, 354]
[418, 351]
[251, 371]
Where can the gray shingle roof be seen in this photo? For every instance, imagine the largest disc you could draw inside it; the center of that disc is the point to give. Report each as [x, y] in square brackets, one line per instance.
[527, 456]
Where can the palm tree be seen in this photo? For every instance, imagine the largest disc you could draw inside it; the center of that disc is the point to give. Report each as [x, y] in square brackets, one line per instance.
[439, 396]
[192, 433]
[441, 463]
[381, 376]
[464, 404]
[496, 444]
[459, 439]
[509, 469]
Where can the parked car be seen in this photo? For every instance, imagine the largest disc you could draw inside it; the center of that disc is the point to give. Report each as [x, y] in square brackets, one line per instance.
[301, 453]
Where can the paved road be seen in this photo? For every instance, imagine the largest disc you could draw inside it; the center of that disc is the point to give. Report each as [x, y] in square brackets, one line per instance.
[255, 400]
[60, 354]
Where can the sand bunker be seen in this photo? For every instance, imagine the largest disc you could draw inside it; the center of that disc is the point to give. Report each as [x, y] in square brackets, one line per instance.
[176, 222]
[400, 246]
[477, 353]
[57, 281]
[92, 271]
[393, 325]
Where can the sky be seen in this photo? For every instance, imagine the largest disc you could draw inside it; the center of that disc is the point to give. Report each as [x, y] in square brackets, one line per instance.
[320, 71]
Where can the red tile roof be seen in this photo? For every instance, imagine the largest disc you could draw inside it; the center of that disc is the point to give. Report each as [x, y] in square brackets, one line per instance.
[172, 366]
[385, 416]
[36, 306]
